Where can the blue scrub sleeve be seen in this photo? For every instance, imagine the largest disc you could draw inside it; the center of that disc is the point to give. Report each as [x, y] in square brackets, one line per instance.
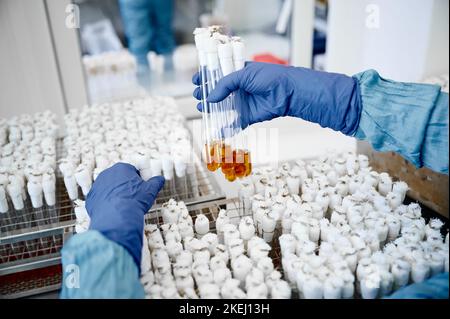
[433, 288]
[96, 267]
[407, 118]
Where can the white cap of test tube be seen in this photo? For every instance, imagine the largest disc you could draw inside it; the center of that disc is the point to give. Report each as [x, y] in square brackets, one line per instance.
[238, 53]
[201, 35]
[211, 54]
[225, 50]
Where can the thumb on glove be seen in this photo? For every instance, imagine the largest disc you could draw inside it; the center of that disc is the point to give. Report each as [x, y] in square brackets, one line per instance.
[151, 188]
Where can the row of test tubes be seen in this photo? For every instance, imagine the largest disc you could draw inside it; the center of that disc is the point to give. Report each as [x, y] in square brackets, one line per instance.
[224, 139]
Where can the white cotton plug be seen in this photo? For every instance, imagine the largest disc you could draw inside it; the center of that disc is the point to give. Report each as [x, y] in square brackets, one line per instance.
[83, 176]
[323, 199]
[209, 291]
[184, 283]
[174, 249]
[312, 288]
[216, 262]
[154, 292]
[221, 221]
[167, 166]
[3, 200]
[382, 229]
[246, 228]
[433, 226]
[14, 190]
[352, 165]
[278, 207]
[256, 201]
[225, 53]
[287, 244]
[314, 230]
[371, 179]
[400, 188]
[293, 182]
[238, 53]
[241, 266]
[394, 225]
[259, 215]
[394, 200]
[246, 191]
[273, 277]
[221, 251]
[221, 275]
[49, 187]
[180, 163]
[420, 271]
[146, 264]
[332, 288]
[202, 274]
[384, 184]
[271, 189]
[340, 166]
[156, 164]
[363, 161]
[342, 186]
[36, 193]
[269, 222]
[230, 232]
[211, 240]
[202, 256]
[235, 247]
[147, 279]
[259, 251]
[370, 286]
[286, 222]
[254, 278]
[280, 289]
[437, 263]
[170, 292]
[229, 287]
[70, 183]
[293, 203]
[184, 216]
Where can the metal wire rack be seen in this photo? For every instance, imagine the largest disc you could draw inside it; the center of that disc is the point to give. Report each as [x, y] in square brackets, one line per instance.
[194, 188]
[32, 282]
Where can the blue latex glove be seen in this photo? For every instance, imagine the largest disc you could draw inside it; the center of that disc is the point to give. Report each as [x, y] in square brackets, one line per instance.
[117, 203]
[265, 91]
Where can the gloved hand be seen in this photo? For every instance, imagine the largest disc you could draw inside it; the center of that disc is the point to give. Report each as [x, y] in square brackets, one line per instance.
[117, 203]
[265, 91]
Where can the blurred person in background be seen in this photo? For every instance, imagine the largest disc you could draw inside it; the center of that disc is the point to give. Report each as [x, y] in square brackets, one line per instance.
[148, 27]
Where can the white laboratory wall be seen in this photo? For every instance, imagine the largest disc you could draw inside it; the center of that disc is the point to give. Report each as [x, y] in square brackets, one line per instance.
[40, 67]
[68, 54]
[29, 77]
[410, 42]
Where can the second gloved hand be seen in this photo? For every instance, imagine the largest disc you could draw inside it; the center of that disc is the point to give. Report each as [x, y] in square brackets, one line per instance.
[117, 203]
[265, 91]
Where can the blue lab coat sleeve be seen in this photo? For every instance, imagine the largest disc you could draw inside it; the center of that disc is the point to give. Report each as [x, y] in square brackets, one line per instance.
[407, 118]
[96, 267]
[433, 288]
